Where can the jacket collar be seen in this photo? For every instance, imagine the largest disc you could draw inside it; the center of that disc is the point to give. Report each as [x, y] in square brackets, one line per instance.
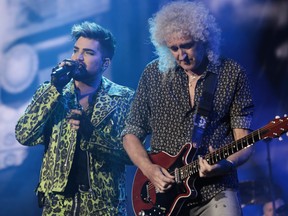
[105, 101]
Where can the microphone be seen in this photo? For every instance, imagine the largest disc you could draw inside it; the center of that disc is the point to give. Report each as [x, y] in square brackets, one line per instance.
[66, 69]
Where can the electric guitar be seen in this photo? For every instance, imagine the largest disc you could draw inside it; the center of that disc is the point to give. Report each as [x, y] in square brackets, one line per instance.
[146, 201]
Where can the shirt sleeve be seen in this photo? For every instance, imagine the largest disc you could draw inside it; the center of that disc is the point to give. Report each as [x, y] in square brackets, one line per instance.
[242, 107]
[30, 128]
[137, 122]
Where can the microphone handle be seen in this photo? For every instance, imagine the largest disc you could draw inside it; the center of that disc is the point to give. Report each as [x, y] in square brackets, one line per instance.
[65, 70]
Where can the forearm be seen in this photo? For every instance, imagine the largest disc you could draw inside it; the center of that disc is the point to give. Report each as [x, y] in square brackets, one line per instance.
[31, 125]
[136, 152]
[243, 155]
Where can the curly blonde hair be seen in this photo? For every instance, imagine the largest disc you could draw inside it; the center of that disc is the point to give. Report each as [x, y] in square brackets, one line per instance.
[184, 18]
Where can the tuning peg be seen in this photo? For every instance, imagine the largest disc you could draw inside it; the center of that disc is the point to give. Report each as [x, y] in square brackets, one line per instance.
[280, 138]
[285, 115]
[277, 117]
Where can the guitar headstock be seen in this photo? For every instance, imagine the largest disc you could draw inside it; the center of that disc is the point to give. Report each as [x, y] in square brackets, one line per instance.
[276, 127]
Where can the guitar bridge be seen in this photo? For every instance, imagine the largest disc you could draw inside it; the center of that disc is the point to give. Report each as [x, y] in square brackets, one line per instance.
[147, 198]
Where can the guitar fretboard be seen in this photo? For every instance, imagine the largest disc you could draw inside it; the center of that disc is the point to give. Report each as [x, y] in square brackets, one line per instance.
[224, 152]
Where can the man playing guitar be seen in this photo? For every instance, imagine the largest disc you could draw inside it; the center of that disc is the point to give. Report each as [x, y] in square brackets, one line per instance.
[187, 39]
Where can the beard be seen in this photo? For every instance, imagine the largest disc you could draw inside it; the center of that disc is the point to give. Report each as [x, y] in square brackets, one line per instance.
[80, 75]
[85, 77]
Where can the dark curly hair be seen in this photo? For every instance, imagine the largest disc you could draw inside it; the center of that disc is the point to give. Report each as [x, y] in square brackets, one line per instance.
[94, 31]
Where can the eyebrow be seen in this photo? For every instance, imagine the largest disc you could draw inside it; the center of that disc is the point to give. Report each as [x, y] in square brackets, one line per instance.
[187, 45]
[85, 49]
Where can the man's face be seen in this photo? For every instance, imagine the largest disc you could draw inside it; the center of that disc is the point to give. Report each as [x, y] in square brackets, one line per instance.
[88, 52]
[187, 53]
[268, 207]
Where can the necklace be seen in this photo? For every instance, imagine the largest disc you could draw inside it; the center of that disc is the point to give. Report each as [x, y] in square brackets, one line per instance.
[86, 99]
[191, 79]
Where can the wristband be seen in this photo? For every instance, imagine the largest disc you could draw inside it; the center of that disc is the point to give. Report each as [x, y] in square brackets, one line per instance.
[231, 164]
[228, 165]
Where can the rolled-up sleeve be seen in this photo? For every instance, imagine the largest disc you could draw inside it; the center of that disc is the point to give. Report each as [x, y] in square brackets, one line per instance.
[242, 107]
[138, 120]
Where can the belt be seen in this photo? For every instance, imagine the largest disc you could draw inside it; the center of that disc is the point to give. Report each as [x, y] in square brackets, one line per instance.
[83, 188]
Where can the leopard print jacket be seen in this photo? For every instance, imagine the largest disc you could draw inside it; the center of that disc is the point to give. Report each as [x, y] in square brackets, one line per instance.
[44, 122]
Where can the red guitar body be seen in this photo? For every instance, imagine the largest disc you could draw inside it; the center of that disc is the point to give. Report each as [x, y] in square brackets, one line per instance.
[145, 199]
[185, 170]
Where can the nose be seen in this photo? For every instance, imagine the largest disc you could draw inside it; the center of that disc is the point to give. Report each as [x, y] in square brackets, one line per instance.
[182, 54]
[80, 56]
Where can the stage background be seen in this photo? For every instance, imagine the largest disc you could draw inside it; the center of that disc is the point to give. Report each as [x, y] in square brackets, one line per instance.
[35, 37]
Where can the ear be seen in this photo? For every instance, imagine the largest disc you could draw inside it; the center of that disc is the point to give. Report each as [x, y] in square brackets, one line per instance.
[106, 63]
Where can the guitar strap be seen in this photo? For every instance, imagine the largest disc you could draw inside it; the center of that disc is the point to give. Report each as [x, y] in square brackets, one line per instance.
[204, 107]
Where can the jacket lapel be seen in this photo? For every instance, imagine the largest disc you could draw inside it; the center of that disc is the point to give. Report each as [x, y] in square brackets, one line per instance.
[106, 101]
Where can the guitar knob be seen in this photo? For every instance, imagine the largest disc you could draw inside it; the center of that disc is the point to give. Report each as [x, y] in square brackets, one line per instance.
[141, 213]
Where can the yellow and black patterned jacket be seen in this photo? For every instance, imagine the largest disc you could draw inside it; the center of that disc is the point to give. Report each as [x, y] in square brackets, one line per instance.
[45, 122]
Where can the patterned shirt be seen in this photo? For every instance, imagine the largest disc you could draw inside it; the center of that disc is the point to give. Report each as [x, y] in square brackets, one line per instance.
[162, 109]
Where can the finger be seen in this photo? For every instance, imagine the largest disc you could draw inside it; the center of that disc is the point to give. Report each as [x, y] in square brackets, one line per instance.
[76, 111]
[74, 114]
[201, 174]
[65, 62]
[168, 176]
[211, 149]
[75, 124]
[74, 127]
[68, 61]
[159, 190]
[200, 161]
[202, 167]
[205, 163]
[169, 186]
[161, 181]
[163, 188]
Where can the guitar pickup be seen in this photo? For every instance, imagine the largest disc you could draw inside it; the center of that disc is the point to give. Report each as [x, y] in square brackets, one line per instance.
[177, 176]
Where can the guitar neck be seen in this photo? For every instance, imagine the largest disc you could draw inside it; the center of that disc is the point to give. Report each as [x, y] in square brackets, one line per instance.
[223, 152]
[227, 150]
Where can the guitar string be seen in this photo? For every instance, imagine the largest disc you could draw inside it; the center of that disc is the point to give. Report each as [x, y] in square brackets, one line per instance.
[229, 147]
[195, 165]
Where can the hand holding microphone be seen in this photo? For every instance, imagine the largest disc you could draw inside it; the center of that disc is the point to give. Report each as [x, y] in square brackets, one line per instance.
[63, 73]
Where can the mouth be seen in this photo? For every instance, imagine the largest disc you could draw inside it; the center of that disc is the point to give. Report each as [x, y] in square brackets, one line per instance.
[80, 69]
[81, 66]
[187, 60]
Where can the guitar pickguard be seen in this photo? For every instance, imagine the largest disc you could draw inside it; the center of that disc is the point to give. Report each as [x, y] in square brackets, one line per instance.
[151, 202]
